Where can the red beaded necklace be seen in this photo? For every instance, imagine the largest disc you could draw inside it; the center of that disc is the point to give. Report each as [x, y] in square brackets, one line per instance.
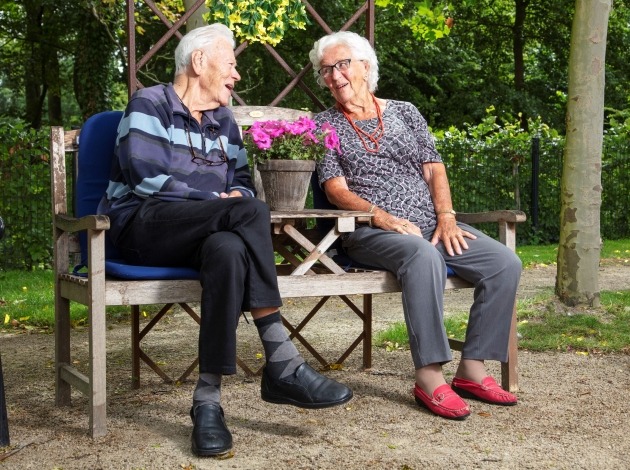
[373, 137]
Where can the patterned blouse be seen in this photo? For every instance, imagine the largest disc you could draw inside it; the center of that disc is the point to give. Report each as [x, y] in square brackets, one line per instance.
[392, 178]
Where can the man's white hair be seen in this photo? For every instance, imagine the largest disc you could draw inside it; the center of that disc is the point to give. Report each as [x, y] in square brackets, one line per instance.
[199, 38]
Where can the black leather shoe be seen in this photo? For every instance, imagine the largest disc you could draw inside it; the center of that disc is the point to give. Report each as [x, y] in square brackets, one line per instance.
[306, 388]
[210, 435]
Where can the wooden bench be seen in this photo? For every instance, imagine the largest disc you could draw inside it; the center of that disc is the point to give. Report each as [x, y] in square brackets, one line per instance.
[97, 290]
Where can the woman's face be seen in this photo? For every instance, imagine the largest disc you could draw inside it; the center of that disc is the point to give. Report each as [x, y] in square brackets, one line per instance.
[346, 85]
[218, 74]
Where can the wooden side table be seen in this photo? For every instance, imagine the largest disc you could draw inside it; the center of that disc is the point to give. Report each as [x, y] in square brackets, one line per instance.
[285, 223]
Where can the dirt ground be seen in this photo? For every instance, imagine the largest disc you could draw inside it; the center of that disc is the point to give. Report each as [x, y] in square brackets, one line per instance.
[572, 412]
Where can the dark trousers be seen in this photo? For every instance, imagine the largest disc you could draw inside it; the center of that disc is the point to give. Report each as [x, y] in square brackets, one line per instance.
[229, 242]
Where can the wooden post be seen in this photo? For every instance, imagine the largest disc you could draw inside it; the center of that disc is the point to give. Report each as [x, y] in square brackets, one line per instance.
[4, 422]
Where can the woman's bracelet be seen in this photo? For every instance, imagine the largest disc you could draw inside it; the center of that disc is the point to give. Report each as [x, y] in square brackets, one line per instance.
[450, 211]
[371, 211]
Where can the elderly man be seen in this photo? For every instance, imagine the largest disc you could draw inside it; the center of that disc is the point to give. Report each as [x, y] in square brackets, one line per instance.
[180, 194]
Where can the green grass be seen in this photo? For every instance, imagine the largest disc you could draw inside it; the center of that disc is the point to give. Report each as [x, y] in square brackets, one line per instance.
[533, 255]
[544, 323]
[27, 302]
[26, 298]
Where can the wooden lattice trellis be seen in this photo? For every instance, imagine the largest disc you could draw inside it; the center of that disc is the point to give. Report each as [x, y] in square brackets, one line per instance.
[172, 29]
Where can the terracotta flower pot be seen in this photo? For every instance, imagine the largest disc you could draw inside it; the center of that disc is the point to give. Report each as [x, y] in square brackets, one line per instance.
[285, 183]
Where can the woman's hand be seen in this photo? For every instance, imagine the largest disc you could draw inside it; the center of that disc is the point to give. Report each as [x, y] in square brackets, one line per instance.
[387, 221]
[453, 237]
[338, 194]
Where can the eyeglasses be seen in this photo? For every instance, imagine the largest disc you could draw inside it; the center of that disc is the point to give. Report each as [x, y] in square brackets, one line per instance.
[341, 65]
[205, 158]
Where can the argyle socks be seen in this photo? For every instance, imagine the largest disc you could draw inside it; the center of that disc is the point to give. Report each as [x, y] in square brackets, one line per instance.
[208, 390]
[282, 356]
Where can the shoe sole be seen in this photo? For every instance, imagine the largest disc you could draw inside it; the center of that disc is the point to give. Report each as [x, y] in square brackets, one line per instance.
[211, 453]
[466, 394]
[421, 404]
[313, 406]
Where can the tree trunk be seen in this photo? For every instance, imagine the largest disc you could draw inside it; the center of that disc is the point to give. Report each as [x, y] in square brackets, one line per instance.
[196, 19]
[53, 80]
[35, 91]
[93, 65]
[580, 242]
[518, 48]
[518, 44]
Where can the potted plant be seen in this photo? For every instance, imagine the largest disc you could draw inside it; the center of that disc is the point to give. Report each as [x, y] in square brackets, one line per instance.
[285, 154]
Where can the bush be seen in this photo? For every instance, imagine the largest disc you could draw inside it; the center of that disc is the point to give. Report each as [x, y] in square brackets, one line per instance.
[24, 196]
[490, 168]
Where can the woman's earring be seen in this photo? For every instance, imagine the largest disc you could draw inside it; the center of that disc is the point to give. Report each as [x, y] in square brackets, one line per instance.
[365, 77]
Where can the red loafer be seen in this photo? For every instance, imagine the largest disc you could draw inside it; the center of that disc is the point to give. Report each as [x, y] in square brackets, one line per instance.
[487, 391]
[444, 402]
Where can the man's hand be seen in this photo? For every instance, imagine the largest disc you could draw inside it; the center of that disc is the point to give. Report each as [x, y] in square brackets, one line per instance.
[233, 193]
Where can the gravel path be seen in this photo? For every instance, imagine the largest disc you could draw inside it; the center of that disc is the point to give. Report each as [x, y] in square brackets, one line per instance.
[571, 415]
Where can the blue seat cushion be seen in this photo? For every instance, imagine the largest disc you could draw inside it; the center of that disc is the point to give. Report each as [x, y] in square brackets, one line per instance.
[120, 269]
[96, 152]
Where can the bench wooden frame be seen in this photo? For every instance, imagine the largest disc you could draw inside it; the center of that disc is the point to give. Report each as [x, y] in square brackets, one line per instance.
[97, 291]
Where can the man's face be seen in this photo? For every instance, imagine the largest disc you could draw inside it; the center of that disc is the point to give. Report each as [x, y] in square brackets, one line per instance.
[218, 72]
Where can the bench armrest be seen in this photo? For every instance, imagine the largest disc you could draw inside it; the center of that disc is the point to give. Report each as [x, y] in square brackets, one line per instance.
[88, 222]
[491, 216]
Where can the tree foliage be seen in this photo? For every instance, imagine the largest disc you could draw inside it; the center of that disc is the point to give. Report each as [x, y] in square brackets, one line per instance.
[426, 21]
[264, 21]
[509, 54]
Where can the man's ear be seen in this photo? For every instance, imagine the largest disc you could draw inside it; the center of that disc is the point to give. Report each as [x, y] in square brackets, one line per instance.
[197, 60]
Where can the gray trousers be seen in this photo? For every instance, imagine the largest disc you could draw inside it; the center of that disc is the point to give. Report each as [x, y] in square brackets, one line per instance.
[420, 268]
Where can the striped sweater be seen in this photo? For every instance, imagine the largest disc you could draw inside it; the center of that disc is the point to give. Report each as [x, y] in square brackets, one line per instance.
[153, 156]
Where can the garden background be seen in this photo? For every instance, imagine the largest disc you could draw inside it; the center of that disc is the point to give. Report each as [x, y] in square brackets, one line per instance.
[492, 86]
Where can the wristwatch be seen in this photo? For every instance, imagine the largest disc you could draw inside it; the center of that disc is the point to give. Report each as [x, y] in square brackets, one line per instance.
[451, 211]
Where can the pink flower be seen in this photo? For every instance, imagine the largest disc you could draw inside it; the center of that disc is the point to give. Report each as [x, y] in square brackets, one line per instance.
[297, 140]
[273, 128]
[310, 138]
[301, 126]
[261, 139]
[331, 139]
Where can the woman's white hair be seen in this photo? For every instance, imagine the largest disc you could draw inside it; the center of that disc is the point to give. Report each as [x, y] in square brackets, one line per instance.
[199, 38]
[360, 49]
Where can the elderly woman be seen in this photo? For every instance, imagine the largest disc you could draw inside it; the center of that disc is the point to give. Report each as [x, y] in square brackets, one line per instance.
[388, 165]
[180, 194]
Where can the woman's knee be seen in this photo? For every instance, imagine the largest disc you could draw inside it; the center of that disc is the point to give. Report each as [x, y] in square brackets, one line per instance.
[513, 264]
[423, 257]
